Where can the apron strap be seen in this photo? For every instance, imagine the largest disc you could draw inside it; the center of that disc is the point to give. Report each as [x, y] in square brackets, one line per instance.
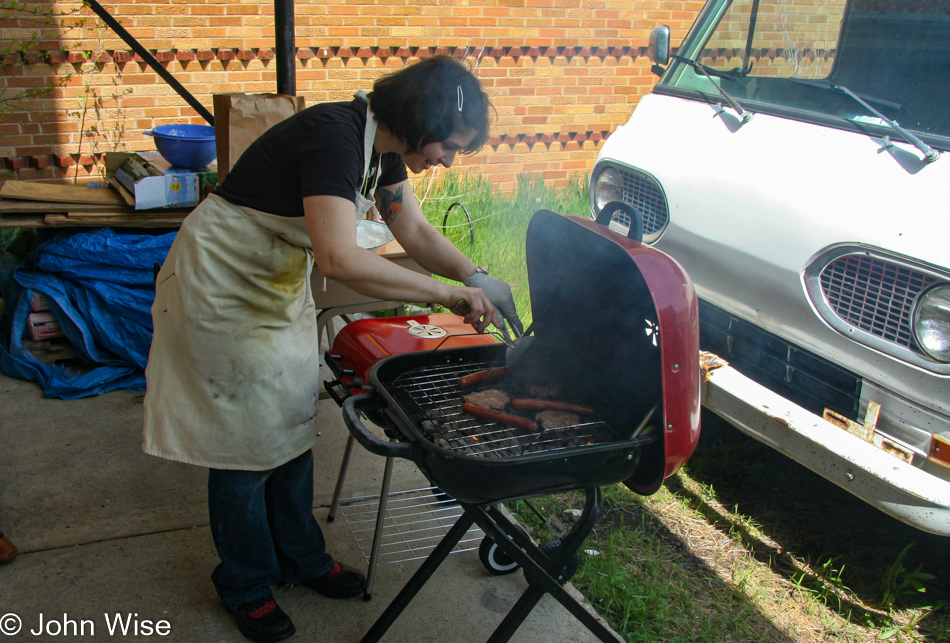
[369, 136]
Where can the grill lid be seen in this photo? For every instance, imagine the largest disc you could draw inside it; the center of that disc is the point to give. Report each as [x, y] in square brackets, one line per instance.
[617, 322]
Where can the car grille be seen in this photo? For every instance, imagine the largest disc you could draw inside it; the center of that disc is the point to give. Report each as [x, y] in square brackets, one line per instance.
[875, 295]
[644, 194]
[806, 379]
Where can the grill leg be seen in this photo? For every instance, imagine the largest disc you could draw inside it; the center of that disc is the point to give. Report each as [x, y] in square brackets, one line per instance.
[541, 574]
[422, 575]
[380, 526]
[380, 513]
[515, 544]
[517, 614]
[530, 598]
[335, 503]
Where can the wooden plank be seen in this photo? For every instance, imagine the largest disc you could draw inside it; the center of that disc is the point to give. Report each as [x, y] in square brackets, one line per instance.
[20, 206]
[21, 220]
[131, 221]
[88, 214]
[176, 214]
[165, 220]
[33, 191]
[42, 219]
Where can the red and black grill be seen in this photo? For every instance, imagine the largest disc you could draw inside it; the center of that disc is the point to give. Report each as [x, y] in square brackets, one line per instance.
[616, 330]
[362, 343]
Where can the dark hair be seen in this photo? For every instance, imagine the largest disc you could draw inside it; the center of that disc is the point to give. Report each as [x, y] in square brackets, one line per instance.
[428, 101]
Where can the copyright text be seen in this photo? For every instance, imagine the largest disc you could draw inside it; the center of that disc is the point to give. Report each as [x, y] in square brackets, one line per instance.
[116, 624]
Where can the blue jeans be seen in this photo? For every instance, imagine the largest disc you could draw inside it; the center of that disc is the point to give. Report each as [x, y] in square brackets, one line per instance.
[263, 528]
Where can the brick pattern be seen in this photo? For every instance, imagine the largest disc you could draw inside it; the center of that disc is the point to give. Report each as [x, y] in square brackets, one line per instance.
[799, 42]
[562, 74]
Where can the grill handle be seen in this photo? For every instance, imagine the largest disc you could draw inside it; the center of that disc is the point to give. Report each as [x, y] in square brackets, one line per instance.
[636, 219]
[351, 417]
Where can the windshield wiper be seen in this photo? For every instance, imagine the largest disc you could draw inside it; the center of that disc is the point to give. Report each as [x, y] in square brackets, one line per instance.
[732, 74]
[824, 84]
[709, 72]
[930, 154]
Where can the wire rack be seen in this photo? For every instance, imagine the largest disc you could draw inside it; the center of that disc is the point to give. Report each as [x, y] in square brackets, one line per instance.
[434, 391]
[415, 522]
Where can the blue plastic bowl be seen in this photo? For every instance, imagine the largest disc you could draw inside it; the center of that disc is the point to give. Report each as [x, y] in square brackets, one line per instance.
[190, 147]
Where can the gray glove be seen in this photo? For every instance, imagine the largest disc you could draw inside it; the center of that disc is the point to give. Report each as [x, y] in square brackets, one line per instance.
[499, 294]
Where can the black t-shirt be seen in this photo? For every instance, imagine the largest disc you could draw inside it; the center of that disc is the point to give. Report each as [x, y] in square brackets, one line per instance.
[318, 151]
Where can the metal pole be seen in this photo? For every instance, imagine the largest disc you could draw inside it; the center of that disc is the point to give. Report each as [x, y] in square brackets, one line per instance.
[286, 47]
[150, 60]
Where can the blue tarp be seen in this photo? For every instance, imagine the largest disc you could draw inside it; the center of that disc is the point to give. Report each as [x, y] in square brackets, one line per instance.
[100, 288]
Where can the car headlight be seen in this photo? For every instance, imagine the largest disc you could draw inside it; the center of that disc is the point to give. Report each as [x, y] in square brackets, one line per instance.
[932, 323]
[607, 187]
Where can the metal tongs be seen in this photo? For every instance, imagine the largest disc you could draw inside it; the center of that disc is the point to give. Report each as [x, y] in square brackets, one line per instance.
[503, 336]
[515, 346]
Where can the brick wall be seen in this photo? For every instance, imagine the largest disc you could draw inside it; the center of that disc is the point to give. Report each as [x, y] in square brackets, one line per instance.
[563, 74]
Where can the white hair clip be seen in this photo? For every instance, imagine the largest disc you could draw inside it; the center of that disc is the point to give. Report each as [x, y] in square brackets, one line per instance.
[461, 97]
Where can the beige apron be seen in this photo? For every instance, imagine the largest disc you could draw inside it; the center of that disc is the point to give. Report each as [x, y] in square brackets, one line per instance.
[233, 371]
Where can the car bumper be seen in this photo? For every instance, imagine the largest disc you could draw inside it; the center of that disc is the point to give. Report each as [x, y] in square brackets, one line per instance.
[897, 488]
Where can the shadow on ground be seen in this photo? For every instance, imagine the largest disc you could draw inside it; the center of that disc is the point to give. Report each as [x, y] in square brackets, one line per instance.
[815, 521]
[647, 580]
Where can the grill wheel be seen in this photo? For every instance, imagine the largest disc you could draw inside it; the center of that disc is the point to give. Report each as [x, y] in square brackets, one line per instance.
[494, 559]
[498, 563]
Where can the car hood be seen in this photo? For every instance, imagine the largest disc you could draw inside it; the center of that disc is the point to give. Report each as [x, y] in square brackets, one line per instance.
[750, 207]
[822, 187]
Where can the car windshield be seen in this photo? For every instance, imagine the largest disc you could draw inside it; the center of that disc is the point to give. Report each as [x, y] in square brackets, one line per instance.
[894, 54]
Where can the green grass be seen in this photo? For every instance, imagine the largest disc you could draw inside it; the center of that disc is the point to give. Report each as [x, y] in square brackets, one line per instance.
[499, 219]
[647, 589]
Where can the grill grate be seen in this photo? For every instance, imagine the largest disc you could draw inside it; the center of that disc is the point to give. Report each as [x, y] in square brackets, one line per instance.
[434, 392]
[415, 522]
[645, 195]
[875, 295]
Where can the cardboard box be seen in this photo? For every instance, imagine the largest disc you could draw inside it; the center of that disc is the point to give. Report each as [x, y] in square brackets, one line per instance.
[38, 301]
[40, 326]
[147, 181]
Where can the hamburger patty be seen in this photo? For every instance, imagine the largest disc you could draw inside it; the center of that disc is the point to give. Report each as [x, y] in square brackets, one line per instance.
[556, 419]
[490, 398]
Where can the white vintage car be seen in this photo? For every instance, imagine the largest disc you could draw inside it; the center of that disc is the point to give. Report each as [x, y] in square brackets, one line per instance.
[794, 158]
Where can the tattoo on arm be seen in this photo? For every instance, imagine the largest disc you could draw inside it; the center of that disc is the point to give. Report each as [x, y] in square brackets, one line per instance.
[391, 204]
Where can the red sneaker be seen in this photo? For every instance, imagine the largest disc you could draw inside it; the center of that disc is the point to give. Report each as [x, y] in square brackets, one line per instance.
[263, 620]
[342, 581]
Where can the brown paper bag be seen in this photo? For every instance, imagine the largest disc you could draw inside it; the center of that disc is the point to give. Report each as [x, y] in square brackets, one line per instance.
[240, 118]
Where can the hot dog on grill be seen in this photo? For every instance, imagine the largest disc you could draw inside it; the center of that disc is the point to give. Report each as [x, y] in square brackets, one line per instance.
[532, 404]
[502, 418]
[484, 376]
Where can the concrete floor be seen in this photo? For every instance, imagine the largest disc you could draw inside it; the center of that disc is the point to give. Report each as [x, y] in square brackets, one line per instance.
[104, 529]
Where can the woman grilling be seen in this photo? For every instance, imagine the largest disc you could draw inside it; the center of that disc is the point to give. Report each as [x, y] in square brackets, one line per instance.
[233, 370]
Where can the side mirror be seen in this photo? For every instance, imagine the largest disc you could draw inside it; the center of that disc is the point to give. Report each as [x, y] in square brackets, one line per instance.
[659, 47]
